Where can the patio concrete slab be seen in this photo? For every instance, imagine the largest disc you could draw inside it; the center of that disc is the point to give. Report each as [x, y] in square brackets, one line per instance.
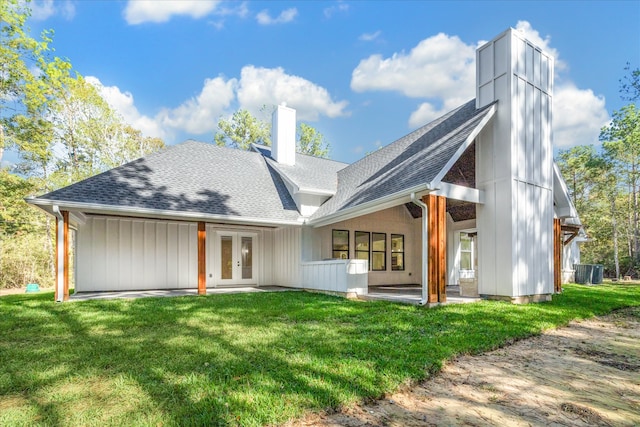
[82, 296]
[411, 294]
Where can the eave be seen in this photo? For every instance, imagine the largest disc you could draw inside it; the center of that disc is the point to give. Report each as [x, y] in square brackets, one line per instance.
[80, 209]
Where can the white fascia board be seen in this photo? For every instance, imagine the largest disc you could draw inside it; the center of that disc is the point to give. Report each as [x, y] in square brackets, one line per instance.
[376, 205]
[305, 190]
[316, 192]
[46, 205]
[77, 217]
[565, 208]
[472, 136]
[564, 212]
[459, 192]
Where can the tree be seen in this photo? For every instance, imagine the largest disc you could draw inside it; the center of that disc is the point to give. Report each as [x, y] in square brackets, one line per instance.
[312, 142]
[244, 129]
[576, 166]
[18, 53]
[621, 148]
[630, 84]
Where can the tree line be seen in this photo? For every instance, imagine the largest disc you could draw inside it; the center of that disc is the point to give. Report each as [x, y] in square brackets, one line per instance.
[604, 183]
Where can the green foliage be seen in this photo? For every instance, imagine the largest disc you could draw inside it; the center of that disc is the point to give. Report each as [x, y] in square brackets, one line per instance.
[24, 259]
[45, 104]
[244, 359]
[630, 84]
[18, 53]
[312, 142]
[244, 129]
[24, 242]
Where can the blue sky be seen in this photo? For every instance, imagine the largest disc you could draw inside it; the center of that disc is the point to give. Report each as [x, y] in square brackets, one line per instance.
[362, 73]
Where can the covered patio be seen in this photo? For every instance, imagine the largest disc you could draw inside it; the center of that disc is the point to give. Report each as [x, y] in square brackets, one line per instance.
[412, 294]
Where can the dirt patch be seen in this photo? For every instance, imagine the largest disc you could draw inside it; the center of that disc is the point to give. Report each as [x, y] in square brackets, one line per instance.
[583, 375]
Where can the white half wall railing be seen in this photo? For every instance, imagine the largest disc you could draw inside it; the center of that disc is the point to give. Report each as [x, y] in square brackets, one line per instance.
[345, 276]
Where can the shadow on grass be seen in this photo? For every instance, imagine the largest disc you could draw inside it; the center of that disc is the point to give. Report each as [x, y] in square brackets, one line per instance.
[246, 359]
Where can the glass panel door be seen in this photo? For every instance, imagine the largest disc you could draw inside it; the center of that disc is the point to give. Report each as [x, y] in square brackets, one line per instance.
[247, 257]
[235, 258]
[226, 257]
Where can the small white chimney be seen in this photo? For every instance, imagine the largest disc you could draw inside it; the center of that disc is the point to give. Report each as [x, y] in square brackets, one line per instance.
[283, 135]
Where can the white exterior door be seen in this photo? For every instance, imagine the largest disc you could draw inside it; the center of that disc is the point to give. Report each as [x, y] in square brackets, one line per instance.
[235, 256]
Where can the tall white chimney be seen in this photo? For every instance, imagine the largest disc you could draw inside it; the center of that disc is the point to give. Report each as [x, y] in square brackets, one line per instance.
[283, 135]
[514, 160]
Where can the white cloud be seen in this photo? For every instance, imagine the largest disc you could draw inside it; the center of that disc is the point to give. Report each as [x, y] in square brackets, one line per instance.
[272, 86]
[139, 11]
[287, 15]
[440, 66]
[578, 116]
[543, 43]
[200, 115]
[426, 113]
[219, 96]
[441, 70]
[123, 103]
[42, 10]
[368, 37]
[222, 12]
[340, 7]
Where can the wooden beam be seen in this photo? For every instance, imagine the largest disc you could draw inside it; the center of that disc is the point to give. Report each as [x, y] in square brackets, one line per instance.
[557, 255]
[442, 249]
[573, 231]
[202, 259]
[437, 274]
[65, 239]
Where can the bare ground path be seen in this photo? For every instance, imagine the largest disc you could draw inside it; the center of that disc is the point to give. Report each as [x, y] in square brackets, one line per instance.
[587, 374]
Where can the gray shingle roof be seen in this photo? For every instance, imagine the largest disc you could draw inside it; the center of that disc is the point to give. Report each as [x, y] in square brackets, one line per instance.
[191, 177]
[200, 178]
[414, 159]
[309, 173]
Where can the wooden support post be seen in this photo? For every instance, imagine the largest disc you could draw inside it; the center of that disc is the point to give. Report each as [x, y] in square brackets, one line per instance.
[442, 249]
[202, 259]
[557, 255]
[56, 287]
[65, 239]
[436, 206]
[62, 257]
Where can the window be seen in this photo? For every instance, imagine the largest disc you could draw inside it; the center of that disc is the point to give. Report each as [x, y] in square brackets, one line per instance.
[378, 251]
[466, 252]
[362, 246]
[340, 242]
[397, 252]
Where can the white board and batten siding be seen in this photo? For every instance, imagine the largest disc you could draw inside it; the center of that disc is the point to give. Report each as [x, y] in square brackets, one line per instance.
[514, 168]
[343, 276]
[129, 254]
[286, 256]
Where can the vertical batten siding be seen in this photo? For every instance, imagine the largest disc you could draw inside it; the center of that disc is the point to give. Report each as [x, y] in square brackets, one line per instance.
[348, 277]
[267, 248]
[124, 254]
[514, 169]
[287, 256]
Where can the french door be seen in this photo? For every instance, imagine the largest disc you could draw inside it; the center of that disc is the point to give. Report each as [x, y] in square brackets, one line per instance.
[236, 258]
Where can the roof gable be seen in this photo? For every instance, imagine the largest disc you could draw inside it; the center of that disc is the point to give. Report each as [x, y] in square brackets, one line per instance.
[416, 159]
[309, 174]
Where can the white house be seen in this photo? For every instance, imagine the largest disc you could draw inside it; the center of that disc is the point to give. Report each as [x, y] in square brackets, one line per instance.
[471, 197]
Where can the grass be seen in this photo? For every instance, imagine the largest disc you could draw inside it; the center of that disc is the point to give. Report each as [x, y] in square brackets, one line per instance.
[243, 359]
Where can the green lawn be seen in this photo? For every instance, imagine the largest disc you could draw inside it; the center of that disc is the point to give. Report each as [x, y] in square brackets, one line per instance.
[246, 359]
